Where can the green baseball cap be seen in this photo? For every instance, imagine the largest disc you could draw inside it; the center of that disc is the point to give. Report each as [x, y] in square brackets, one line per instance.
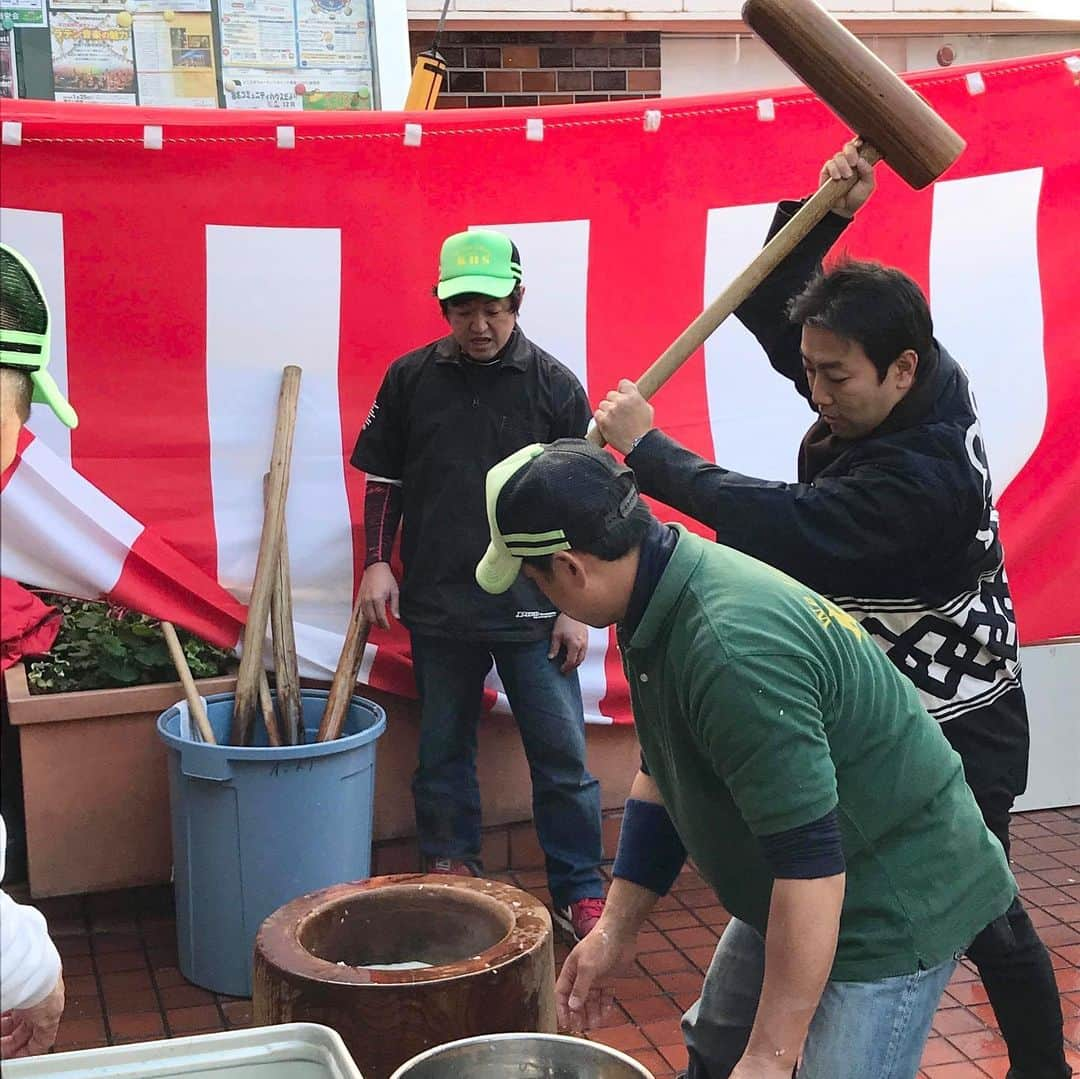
[24, 331]
[478, 261]
[544, 499]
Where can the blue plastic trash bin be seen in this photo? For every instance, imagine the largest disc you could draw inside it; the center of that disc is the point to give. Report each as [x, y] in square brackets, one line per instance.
[254, 827]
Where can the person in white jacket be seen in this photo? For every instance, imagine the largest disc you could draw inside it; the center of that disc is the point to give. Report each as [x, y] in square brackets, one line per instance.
[31, 981]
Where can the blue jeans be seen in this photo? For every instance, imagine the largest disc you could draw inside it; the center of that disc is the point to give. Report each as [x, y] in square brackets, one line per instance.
[547, 707]
[861, 1030]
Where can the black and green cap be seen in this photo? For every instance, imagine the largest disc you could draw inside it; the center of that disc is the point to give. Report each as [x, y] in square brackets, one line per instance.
[481, 261]
[24, 331]
[544, 499]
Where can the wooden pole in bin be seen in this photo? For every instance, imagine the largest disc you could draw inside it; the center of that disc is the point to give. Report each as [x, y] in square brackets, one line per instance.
[266, 568]
[286, 670]
[266, 705]
[191, 691]
[344, 683]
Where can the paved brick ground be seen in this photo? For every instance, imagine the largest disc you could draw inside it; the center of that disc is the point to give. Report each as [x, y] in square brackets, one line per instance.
[123, 983]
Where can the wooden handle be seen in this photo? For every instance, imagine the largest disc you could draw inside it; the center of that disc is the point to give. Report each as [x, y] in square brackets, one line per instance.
[266, 706]
[286, 670]
[191, 691]
[344, 683]
[767, 259]
[266, 568]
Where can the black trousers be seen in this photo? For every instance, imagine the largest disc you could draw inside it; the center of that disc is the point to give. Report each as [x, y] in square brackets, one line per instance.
[1012, 961]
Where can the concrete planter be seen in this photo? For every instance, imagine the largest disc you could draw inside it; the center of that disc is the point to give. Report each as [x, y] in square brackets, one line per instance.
[95, 784]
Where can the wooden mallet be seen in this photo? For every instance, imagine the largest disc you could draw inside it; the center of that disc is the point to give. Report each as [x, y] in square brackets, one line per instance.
[892, 121]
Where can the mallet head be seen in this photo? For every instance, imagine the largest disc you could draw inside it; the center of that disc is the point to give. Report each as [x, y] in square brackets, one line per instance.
[862, 90]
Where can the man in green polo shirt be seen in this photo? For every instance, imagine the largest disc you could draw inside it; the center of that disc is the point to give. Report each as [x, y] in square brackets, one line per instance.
[782, 751]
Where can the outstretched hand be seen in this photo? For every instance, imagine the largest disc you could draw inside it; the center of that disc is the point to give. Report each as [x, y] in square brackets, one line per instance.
[583, 994]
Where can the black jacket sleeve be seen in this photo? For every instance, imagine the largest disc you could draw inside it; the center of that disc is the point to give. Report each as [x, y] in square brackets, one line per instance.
[573, 418]
[380, 446]
[848, 534]
[764, 314]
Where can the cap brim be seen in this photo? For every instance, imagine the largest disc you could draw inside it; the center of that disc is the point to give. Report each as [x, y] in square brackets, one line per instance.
[495, 287]
[497, 570]
[46, 392]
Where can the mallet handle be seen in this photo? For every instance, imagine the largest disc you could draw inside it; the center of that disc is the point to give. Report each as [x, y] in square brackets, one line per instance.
[344, 683]
[191, 691]
[266, 568]
[767, 259]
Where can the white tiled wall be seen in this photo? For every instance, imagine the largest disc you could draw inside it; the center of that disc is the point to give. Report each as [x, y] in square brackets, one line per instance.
[728, 10]
[701, 64]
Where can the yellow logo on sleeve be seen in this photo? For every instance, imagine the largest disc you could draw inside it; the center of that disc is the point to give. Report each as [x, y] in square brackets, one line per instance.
[830, 613]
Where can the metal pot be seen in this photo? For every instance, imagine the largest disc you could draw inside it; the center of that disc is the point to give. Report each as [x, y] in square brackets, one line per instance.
[522, 1056]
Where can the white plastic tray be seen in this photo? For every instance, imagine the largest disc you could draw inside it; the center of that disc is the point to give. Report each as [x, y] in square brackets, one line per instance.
[289, 1051]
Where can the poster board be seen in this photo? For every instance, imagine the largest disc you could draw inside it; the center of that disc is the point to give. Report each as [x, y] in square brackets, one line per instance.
[300, 55]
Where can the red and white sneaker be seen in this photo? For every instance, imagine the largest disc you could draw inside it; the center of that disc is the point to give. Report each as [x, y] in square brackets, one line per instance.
[450, 868]
[580, 917]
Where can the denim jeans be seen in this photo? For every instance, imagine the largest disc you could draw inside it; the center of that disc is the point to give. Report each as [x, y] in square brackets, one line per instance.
[861, 1030]
[547, 708]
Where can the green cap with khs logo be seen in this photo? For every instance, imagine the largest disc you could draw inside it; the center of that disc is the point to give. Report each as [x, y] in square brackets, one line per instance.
[479, 261]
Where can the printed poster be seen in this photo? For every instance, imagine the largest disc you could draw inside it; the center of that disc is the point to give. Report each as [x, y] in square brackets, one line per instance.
[97, 6]
[132, 7]
[23, 13]
[174, 60]
[92, 57]
[143, 7]
[307, 91]
[9, 82]
[332, 33]
[257, 33]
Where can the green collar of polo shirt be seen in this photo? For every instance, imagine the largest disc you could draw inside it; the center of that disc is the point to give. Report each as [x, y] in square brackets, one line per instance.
[689, 551]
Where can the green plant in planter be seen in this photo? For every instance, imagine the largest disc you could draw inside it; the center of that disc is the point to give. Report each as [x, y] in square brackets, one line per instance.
[105, 647]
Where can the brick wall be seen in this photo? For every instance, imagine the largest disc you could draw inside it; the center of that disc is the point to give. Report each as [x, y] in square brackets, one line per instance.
[559, 67]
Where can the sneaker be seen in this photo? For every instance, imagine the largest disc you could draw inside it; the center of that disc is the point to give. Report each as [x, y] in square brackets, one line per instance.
[450, 868]
[580, 917]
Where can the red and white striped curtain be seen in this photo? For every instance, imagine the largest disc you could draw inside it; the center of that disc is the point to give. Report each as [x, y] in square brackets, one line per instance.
[183, 279]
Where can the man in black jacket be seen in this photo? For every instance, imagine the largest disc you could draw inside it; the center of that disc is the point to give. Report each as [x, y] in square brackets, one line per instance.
[893, 519]
[445, 413]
